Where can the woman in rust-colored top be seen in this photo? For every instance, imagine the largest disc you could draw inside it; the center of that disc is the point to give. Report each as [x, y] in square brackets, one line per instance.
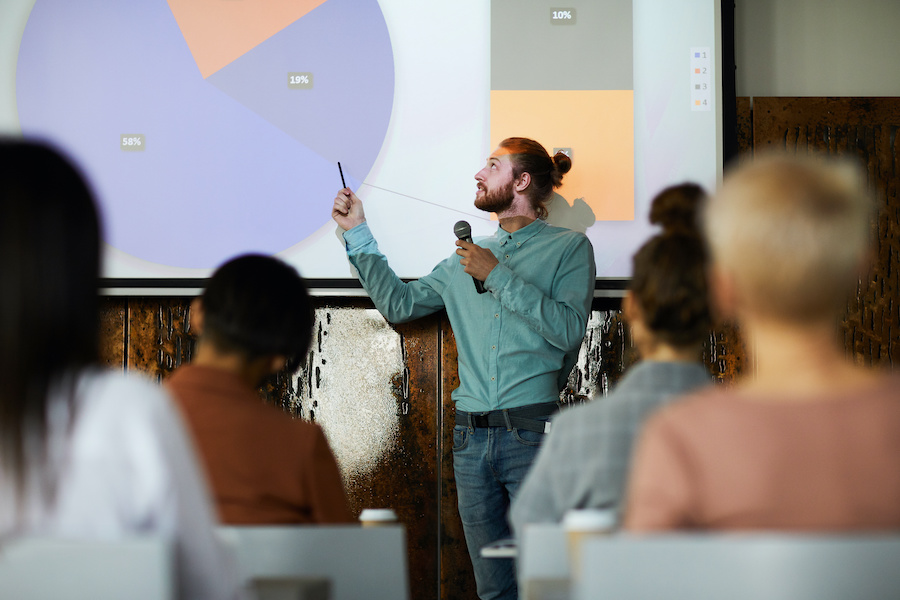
[809, 440]
[264, 467]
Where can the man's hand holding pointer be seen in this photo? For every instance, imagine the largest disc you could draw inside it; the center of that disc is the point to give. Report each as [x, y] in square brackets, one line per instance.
[348, 210]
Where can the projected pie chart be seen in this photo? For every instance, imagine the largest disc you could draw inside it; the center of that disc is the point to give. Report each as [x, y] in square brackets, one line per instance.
[209, 128]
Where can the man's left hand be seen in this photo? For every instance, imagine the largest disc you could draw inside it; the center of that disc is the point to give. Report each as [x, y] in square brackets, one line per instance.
[477, 261]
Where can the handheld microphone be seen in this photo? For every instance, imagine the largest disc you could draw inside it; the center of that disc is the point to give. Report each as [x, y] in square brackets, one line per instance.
[463, 231]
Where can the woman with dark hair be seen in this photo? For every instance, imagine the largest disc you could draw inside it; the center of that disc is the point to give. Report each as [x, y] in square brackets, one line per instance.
[584, 461]
[84, 453]
[254, 319]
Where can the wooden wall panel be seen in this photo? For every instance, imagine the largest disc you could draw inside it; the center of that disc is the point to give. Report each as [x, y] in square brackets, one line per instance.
[414, 472]
[457, 579]
[863, 129]
[744, 114]
[157, 335]
[112, 332]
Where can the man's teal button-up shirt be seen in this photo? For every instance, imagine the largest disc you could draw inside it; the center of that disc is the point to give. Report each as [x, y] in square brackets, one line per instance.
[517, 342]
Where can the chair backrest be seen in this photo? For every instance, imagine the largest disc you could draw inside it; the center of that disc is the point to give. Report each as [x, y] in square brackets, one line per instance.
[543, 559]
[360, 562]
[49, 569]
[741, 567]
[543, 551]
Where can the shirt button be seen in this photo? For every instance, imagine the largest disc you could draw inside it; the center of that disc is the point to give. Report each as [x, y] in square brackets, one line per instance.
[507, 256]
[518, 243]
[492, 379]
[496, 316]
[493, 347]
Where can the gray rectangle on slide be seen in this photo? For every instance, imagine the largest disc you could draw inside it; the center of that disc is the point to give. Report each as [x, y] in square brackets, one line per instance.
[529, 53]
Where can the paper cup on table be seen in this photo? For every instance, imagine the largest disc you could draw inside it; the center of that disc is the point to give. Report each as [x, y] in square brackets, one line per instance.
[582, 524]
[377, 517]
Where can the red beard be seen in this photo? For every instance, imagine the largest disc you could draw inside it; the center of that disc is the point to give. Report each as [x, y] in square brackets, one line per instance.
[496, 200]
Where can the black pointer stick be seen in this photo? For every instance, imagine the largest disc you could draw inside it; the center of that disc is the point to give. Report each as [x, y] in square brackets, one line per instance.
[343, 183]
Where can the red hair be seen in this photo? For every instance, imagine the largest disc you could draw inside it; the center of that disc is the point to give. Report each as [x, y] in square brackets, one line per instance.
[528, 156]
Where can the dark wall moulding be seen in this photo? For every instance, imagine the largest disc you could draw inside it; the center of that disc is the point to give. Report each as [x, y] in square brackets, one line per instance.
[314, 284]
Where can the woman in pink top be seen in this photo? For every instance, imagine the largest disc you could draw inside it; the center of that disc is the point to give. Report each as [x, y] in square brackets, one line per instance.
[809, 440]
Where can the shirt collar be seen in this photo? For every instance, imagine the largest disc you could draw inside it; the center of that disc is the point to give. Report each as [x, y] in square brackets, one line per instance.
[522, 235]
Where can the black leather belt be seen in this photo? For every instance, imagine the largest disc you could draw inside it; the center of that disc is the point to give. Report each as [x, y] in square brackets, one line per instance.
[522, 417]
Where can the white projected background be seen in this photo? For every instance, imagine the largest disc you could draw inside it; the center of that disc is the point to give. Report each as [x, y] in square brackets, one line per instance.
[200, 149]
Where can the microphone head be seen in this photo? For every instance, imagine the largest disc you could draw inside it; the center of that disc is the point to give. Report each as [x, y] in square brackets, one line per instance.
[463, 230]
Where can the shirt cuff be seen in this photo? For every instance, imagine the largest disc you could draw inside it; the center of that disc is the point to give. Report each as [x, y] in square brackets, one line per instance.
[498, 278]
[358, 237]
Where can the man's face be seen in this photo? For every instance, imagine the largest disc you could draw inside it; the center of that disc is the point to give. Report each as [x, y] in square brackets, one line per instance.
[495, 183]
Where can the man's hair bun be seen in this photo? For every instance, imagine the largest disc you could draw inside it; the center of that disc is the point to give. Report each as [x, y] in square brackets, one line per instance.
[561, 165]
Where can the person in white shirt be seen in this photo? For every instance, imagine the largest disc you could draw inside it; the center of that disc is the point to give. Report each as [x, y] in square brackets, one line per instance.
[84, 453]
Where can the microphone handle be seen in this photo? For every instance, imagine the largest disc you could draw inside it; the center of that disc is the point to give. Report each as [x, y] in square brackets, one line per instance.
[479, 284]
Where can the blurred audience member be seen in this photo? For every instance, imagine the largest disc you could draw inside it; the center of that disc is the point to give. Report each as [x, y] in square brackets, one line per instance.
[84, 453]
[255, 319]
[584, 461]
[808, 440]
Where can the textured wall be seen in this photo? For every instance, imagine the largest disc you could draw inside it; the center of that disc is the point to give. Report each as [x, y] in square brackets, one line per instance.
[865, 130]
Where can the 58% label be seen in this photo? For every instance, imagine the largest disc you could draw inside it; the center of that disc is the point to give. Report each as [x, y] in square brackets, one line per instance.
[132, 142]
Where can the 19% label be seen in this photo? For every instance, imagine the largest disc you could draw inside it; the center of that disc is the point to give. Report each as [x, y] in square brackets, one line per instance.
[562, 16]
[300, 81]
[132, 142]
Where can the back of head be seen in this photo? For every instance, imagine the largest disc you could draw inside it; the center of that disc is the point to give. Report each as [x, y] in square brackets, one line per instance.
[669, 279]
[528, 156]
[258, 306]
[49, 269]
[793, 235]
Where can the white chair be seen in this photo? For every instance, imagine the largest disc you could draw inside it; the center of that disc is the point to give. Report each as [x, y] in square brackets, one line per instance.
[543, 562]
[50, 569]
[741, 567]
[360, 562]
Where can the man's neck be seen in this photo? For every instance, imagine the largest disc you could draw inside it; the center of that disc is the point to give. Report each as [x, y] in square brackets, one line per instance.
[511, 224]
[520, 214]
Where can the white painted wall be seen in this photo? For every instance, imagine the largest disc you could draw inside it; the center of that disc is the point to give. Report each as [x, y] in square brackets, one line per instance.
[817, 47]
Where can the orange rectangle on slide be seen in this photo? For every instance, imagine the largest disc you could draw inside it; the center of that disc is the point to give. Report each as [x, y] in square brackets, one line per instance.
[598, 125]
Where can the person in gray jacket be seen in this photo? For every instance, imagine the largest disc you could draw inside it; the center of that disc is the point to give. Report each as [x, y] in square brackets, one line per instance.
[585, 459]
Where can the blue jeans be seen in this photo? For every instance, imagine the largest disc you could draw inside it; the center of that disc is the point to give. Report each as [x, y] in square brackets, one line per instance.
[489, 463]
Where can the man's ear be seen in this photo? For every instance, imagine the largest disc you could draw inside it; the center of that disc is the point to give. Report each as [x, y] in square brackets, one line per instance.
[523, 182]
[277, 363]
[197, 316]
